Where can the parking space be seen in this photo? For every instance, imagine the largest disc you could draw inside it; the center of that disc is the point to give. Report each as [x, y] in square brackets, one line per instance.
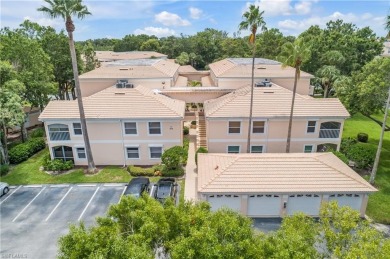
[33, 217]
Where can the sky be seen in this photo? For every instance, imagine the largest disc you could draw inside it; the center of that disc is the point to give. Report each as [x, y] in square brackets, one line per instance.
[115, 19]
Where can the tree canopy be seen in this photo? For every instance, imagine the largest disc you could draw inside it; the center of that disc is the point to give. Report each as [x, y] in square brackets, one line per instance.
[142, 228]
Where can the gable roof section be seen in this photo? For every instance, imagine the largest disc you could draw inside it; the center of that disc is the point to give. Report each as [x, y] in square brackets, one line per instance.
[271, 102]
[114, 103]
[242, 68]
[139, 68]
[277, 173]
[111, 55]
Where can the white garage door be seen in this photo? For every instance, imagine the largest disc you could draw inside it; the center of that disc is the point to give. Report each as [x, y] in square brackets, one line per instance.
[264, 205]
[229, 201]
[307, 203]
[352, 200]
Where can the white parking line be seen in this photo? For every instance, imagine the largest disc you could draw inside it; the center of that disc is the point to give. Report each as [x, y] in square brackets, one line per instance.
[10, 195]
[90, 200]
[87, 185]
[58, 204]
[20, 213]
[113, 185]
[33, 186]
[59, 186]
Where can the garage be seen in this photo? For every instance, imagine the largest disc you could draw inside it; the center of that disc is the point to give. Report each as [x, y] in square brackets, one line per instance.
[229, 201]
[307, 203]
[264, 205]
[269, 185]
[352, 200]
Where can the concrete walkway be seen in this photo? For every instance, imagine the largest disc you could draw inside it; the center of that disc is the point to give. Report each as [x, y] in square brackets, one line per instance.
[191, 169]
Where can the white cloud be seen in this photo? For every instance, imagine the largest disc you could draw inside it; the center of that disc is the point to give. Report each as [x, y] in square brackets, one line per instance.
[46, 21]
[283, 7]
[302, 7]
[157, 31]
[171, 19]
[195, 13]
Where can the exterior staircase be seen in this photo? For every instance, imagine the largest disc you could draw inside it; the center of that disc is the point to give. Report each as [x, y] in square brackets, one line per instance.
[201, 139]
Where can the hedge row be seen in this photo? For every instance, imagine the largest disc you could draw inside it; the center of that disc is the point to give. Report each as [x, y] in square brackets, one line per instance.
[157, 170]
[362, 154]
[25, 150]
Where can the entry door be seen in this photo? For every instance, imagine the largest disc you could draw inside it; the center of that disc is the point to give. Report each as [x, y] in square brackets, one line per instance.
[264, 205]
[229, 201]
[307, 203]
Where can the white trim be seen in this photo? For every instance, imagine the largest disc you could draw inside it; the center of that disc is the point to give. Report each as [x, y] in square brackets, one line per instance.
[81, 128]
[155, 145]
[150, 153]
[127, 153]
[239, 149]
[315, 127]
[124, 129]
[265, 127]
[77, 153]
[136, 141]
[321, 140]
[313, 148]
[161, 128]
[228, 127]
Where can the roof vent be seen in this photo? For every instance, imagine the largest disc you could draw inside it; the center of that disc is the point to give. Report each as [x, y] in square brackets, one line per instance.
[123, 68]
[120, 93]
[264, 83]
[123, 81]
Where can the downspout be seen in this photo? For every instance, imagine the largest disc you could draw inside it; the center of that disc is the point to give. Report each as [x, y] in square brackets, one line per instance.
[123, 144]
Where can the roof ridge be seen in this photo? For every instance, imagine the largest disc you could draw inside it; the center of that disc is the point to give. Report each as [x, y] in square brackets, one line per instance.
[160, 100]
[364, 182]
[221, 171]
[233, 95]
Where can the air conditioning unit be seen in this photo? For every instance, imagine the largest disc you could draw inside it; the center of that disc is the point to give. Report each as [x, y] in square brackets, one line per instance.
[129, 85]
[123, 81]
[120, 85]
[264, 83]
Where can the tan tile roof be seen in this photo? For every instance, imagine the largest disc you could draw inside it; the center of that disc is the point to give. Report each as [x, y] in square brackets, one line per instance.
[114, 103]
[277, 173]
[187, 68]
[242, 68]
[275, 101]
[181, 81]
[142, 68]
[111, 55]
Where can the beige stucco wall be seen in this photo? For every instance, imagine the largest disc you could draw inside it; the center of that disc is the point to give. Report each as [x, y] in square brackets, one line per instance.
[197, 76]
[109, 144]
[273, 139]
[194, 97]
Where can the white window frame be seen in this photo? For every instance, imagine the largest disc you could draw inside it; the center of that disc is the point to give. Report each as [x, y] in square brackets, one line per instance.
[315, 127]
[161, 131]
[77, 153]
[239, 149]
[74, 128]
[239, 133]
[262, 150]
[150, 151]
[127, 153]
[58, 125]
[130, 134]
[308, 145]
[265, 127]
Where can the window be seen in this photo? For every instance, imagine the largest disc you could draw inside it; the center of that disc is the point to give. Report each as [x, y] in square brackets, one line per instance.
[77, 129]
[130, 128]
[233, 149]
[132, 152]
[81, 153]
[58, 132]
[256, 149]
[308, 149]
[234, 127]
[154, 128]
[155, 152]
[330, 129]
[311, 126]
[258, 127]
[62, 152]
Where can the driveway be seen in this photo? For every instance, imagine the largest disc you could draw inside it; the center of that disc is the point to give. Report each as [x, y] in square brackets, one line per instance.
[33, 217]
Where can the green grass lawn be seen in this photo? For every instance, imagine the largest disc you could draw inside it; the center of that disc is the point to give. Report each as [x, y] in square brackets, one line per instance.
[379, 202]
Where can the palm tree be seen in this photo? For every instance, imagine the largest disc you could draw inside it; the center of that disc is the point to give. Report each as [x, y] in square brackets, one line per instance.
[293, 54]
[378, 151]
[327, 76]
[253, 20]
[66, 9]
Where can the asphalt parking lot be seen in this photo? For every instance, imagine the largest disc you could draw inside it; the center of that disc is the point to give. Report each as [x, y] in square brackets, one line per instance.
[32, 218]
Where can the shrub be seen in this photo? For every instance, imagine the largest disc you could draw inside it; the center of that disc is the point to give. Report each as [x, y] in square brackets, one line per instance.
[362, 137]
[172, 158]
[140, 171]
[341, 156]
[4, 169]
[58, 165]
[186, 130]
[173, 172]
[362, 155]
[200, 150]
[37, 133]
[346, 144]
[25, 150]
[193, 122]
